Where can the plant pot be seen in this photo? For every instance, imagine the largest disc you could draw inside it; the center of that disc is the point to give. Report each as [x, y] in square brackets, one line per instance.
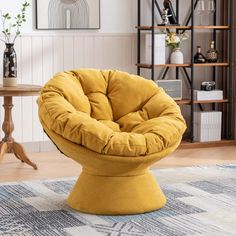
[176, 56]
[9, 65]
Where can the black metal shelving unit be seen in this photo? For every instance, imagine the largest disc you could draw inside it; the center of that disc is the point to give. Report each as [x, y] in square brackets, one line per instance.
[189, 68]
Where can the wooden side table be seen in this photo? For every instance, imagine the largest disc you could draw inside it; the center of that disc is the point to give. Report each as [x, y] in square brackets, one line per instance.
[8, 145]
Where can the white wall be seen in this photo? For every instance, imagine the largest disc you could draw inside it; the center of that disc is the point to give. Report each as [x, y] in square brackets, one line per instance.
[117, 16]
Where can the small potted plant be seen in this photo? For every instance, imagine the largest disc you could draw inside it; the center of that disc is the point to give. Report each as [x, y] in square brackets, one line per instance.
[174, 40]
[10, 31]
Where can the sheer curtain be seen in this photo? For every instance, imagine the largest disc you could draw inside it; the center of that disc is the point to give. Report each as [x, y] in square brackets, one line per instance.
[224, 20]
[233, 20]
[234, 67]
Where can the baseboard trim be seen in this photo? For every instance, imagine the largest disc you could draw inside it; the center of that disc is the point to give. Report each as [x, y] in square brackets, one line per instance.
[40, 146]
[222, 143]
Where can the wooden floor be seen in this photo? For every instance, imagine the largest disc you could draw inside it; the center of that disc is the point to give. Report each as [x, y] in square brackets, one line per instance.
[55, 165]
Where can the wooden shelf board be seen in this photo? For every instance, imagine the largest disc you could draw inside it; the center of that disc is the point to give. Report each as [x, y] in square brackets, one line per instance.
[174, 65]
[163, 65]
[148, 27]
[188, 145]
[144, 65]
[188, 101]
[183, 102]
[219, 64]
[211, 27]
[211, 101]
[219, 27]
[211, 64]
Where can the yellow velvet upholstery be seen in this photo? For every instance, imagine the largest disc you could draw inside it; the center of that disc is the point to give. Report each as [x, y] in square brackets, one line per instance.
[115, 125]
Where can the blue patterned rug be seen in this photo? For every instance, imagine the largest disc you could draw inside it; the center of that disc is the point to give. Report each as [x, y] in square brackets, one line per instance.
[201, 201]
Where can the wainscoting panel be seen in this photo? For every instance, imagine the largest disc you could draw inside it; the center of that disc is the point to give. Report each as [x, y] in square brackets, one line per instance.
[39, 57]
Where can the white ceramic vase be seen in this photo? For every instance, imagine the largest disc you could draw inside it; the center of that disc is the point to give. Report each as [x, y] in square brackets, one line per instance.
[176, 56]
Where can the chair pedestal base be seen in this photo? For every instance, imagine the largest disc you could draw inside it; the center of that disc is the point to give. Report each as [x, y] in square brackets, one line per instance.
[116, 195]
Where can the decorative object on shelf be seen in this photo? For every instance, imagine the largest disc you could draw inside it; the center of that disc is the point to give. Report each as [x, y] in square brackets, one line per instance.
[176, 56]
[210, 9]
[201, 10]
[68, 14]
[208, 85]
[172, 87]
[170, 12]
[198, 57]
[165, 17]
[10, 33]
[212, 54]
[173, 40]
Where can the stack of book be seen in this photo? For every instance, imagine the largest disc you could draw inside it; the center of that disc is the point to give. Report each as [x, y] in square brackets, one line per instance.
[207, 126]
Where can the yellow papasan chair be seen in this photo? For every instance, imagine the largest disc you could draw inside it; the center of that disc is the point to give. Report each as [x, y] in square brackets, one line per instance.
[116, 125]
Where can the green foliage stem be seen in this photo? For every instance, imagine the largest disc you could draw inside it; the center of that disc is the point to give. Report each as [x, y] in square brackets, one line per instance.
[13, 30]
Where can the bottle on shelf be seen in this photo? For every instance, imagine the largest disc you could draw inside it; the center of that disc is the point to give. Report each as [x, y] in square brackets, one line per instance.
[198, 57]
[212, 53]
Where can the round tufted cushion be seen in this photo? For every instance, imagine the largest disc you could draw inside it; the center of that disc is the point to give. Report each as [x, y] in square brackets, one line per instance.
[111, 112]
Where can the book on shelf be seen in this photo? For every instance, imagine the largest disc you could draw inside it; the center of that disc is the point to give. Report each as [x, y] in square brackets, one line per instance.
[207, 126]
[201, 95]
[159, 49]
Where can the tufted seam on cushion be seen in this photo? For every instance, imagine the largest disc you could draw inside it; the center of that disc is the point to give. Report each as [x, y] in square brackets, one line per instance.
[79, 77]
[132, 89]
[143, 113]
[92, 134]
[100, 106]
[97, 95]
[108, 82]
[132, 144]
[111, 124]
[46, 109]
[158, 147]
[146, 144]
[69, 88]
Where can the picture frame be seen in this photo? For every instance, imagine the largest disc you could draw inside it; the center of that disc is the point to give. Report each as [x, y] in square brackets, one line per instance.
[67, 14]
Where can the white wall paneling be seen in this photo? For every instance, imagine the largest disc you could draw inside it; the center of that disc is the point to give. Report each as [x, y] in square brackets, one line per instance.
[39, 57]
[68, 51]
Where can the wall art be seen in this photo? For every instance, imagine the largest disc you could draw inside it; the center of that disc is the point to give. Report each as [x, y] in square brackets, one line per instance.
[67, 14]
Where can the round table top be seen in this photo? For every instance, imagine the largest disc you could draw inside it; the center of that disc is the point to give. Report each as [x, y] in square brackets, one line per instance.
[20, 90]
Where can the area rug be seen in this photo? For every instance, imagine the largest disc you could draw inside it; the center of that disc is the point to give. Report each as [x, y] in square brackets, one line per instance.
[201, 201]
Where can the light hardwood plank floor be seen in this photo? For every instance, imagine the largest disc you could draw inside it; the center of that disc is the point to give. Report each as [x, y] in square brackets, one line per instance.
[55, 165]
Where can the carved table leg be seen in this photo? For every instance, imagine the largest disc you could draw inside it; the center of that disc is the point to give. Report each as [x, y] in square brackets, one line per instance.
[8, 144]
[3, 149]
[20, 154]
